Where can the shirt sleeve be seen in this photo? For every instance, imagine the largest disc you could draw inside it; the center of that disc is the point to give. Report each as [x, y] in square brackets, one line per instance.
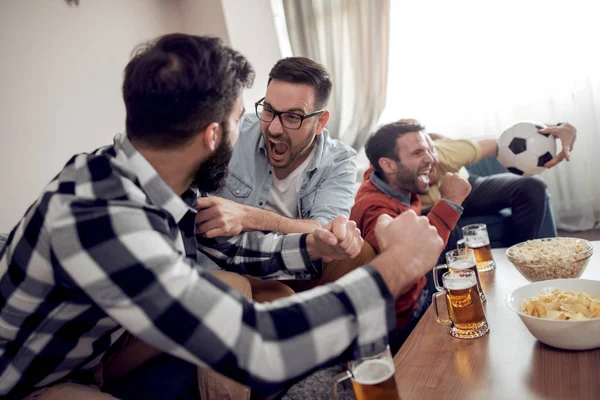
[455, 154]
[366, 221]
[266, 255]
[335, 194]
[444, 216]
[124, 259]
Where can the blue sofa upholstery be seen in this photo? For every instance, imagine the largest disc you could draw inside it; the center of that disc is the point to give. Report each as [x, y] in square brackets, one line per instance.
[499, 224]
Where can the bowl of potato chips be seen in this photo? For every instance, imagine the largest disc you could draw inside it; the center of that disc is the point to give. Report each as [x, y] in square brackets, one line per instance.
[551, 258]
[562, 313]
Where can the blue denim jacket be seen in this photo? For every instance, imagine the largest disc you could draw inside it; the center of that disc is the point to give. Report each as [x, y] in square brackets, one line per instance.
[328, 183]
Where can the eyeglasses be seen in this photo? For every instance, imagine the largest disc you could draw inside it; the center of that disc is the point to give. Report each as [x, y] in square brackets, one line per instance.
[289, 120]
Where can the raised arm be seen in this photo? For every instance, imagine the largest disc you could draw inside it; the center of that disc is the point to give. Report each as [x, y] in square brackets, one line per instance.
[127, 264]
[489, 147]
[445, 213]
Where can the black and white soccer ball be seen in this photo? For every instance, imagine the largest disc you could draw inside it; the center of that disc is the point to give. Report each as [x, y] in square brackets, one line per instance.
[522, 150]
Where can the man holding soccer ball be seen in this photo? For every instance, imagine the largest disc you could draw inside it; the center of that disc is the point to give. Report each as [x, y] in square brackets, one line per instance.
[526, 195]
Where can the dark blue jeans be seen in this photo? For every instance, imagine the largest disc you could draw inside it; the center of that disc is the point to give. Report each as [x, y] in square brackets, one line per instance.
[398, 338]
[164, 377]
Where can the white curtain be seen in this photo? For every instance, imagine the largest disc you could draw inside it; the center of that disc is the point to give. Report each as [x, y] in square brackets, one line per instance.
[469, 68]
[350, 38]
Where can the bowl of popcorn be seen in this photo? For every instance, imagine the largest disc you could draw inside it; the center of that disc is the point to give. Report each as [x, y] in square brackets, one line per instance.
[553, 258]
[562, 313]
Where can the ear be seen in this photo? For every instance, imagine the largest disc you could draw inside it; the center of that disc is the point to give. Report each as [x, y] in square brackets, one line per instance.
[211, 136]
[322, 121]
[388, 165]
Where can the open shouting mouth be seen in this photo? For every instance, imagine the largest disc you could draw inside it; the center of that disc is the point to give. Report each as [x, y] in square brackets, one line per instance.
[423, 175]
[277, 150]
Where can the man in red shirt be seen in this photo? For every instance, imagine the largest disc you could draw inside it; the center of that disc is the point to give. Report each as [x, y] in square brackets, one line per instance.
[401, 162]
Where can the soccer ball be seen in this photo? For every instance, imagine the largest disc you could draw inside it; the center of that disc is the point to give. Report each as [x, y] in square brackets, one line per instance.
[524, 151]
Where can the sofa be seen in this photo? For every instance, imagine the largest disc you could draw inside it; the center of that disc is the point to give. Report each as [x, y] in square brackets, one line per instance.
[499, 224]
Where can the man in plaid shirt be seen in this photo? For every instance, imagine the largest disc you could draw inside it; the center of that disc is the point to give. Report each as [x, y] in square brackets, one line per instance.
[109, 246]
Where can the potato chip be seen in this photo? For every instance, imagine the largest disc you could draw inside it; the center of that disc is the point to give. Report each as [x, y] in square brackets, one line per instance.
[562, 305]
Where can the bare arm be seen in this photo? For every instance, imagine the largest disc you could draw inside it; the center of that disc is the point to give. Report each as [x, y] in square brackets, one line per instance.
[263, 220]
[489, 147]
[565, 132]
[218, 217]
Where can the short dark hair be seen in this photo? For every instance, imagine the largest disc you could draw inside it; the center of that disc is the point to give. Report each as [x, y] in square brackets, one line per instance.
[304, 70]
[176, 86]
[383, 142]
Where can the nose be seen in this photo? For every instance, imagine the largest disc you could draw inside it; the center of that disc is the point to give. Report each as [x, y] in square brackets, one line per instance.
[429, 158]
[275, 128]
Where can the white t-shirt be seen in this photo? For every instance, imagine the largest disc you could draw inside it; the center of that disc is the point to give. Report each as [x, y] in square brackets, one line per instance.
[283, 195]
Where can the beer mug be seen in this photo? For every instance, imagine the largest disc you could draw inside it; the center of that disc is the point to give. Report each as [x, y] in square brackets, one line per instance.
[459, 260]
[372, 377]
[466, 317]
[476, 237]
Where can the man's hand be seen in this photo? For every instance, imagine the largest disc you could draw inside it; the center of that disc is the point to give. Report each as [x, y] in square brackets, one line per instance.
[219, 217]
[454, 188]
[410, 247]
[338, 240]
[567, 135]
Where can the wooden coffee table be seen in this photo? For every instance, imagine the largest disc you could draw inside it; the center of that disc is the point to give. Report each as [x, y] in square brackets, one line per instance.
[508, 363]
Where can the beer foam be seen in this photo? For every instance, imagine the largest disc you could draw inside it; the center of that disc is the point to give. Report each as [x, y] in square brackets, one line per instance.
[459, 284]
[478, 243]
[462, 264]
[372, 372]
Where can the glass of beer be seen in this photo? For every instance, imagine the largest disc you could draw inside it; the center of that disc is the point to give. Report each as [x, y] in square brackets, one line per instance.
[466, 317]
[476, 237]
[459, 260]
[372, 377]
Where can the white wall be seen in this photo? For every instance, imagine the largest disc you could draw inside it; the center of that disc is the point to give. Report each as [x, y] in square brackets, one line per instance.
[62, 69]
[60, 79]
[247, 26]
[252, 31]
[203, 17]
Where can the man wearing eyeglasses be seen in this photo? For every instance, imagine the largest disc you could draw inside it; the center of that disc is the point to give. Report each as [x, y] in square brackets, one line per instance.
[287, 174]
[286, 171]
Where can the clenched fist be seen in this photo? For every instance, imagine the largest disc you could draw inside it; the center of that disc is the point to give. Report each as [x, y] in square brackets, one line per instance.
[410, 247]
[338, 240]
[219, 217]
[454, 188]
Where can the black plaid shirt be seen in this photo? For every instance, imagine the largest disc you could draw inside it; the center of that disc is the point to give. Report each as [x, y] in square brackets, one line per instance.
[109, 247]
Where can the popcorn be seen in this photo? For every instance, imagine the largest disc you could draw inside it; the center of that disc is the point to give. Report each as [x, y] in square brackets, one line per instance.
[554, 258]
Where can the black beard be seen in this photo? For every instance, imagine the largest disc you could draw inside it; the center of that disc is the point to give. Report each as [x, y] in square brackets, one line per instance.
[408, 181]
[211, 175]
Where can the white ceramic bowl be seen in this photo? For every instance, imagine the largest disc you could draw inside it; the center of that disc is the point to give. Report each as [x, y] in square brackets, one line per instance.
[568, 335]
